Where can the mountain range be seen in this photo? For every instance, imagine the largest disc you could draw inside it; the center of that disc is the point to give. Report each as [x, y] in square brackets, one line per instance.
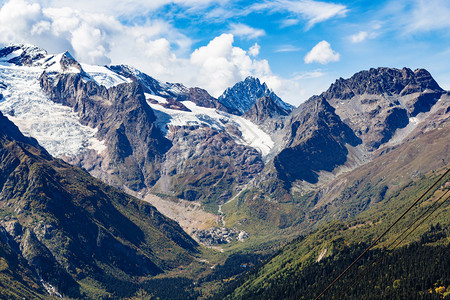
[265, 170]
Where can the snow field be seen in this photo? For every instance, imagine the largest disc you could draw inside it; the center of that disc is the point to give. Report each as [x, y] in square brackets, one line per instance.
[56, 127]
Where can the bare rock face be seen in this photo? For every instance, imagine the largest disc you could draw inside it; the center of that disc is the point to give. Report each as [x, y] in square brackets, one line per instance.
[315, 140]
[28, 55]
[124, 121]
[377, 102]
[267, 114]
[205, 164]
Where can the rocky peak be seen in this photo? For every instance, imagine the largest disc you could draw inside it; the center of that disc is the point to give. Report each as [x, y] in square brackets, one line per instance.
[316, 140]
[265, 108]
[22, 54]
[171, 91]
[383, 81]
[244, 94]
[377, 102]
[148, 83]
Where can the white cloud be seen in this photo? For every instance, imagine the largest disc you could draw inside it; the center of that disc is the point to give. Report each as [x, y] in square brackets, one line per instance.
[220, 65]
[128, 7]
[322, 53]
[364, 35]
[254, 50]
[18, 19]
[93, 38]
[242, 30]
[154, 46]
[287, 48]
[428, 15]
[309, 75]
[359, 37]
[289, 22]
[313, 11]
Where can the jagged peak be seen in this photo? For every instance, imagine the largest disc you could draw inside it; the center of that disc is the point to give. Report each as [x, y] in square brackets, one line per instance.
[22, 54]
[383, 81]
[244, 94]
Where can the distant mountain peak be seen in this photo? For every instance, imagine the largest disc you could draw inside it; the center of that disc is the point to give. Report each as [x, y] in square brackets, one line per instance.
[383, 81]
[21, 54]
[377, 102]
[244, 94]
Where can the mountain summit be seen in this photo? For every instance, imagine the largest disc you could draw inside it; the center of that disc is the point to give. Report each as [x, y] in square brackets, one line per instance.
[243, 95]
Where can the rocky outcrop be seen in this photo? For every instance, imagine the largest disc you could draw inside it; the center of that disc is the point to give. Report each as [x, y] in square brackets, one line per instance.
[265, 108]
[175, 92]
[267, 114]
[208, 165]
[315, 140]
[27, 54]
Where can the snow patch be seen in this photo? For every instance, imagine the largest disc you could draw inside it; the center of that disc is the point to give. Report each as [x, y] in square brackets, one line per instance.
[159, 99]
[4, 59]
[252, 135]
[53, 64]
[104, 76]
[56, 127]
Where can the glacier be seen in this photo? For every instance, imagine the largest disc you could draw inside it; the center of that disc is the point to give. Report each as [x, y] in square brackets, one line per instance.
[56, 127]
[251, 136]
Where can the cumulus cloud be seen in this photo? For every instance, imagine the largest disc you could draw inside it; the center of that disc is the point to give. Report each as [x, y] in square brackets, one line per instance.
[91, 37]
[154, 46]
[220, 64]
[322, 53]
[18, 19]
[313, 11]
[254, 50]
[242, 30]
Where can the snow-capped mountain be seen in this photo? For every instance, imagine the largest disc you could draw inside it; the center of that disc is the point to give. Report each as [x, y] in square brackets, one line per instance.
[119, 123]
[144, 135]
[243, 95]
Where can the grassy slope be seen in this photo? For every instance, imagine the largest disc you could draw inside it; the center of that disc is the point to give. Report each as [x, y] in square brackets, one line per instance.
[337, 236]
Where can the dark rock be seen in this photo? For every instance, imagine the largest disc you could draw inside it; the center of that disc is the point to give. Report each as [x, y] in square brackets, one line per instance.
[265, 109]
[366, 101]
[243, 95]
[315, 141]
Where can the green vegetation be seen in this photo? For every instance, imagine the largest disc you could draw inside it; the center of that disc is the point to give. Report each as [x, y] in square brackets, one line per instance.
[418, 266]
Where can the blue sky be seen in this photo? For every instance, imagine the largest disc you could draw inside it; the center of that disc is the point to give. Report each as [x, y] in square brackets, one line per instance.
[299, 47]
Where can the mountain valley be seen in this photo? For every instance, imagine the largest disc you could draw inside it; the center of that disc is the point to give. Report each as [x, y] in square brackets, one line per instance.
[242, 176]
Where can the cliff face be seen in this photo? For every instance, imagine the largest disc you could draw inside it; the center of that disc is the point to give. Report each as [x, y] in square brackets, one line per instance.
[315, 139]
[208, 165]
[244, 94]
[125, 123]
